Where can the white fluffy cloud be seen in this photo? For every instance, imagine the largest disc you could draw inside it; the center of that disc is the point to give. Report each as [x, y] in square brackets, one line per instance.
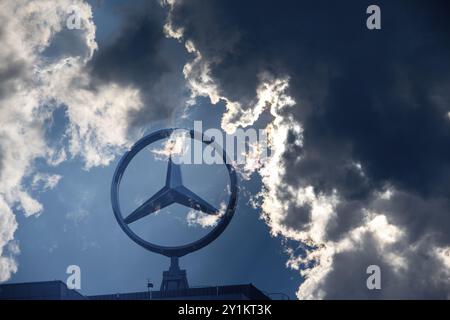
[98, 121]
[197, 218]
[32, 86]
[45, 181]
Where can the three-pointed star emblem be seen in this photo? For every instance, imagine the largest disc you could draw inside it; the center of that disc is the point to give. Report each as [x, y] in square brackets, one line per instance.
[173, 192]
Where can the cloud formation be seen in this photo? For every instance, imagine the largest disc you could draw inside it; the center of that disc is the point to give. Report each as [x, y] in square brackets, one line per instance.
[141, 57]
[24, 34]
[359, 173]
[107, 93]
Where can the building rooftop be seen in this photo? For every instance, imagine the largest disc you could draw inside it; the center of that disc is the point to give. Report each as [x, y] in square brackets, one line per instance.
[57, 290]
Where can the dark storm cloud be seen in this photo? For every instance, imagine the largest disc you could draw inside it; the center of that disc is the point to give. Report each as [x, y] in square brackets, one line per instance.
[134, 57]
[298, 216]
[365, 96]
[348, 277]
[420, 216]
[7, 75]
[141, 57]
[375, 98]
[10, 69]
[372, 92]
[2, 160]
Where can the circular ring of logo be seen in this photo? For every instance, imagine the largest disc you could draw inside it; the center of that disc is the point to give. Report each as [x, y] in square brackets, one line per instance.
[172, 251]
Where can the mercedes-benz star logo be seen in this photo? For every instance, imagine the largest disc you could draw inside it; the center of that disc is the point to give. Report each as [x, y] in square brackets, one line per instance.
[172, 192]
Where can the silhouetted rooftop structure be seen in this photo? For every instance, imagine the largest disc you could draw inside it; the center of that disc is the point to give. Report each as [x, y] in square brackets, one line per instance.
[57, 290]
[45, 290]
